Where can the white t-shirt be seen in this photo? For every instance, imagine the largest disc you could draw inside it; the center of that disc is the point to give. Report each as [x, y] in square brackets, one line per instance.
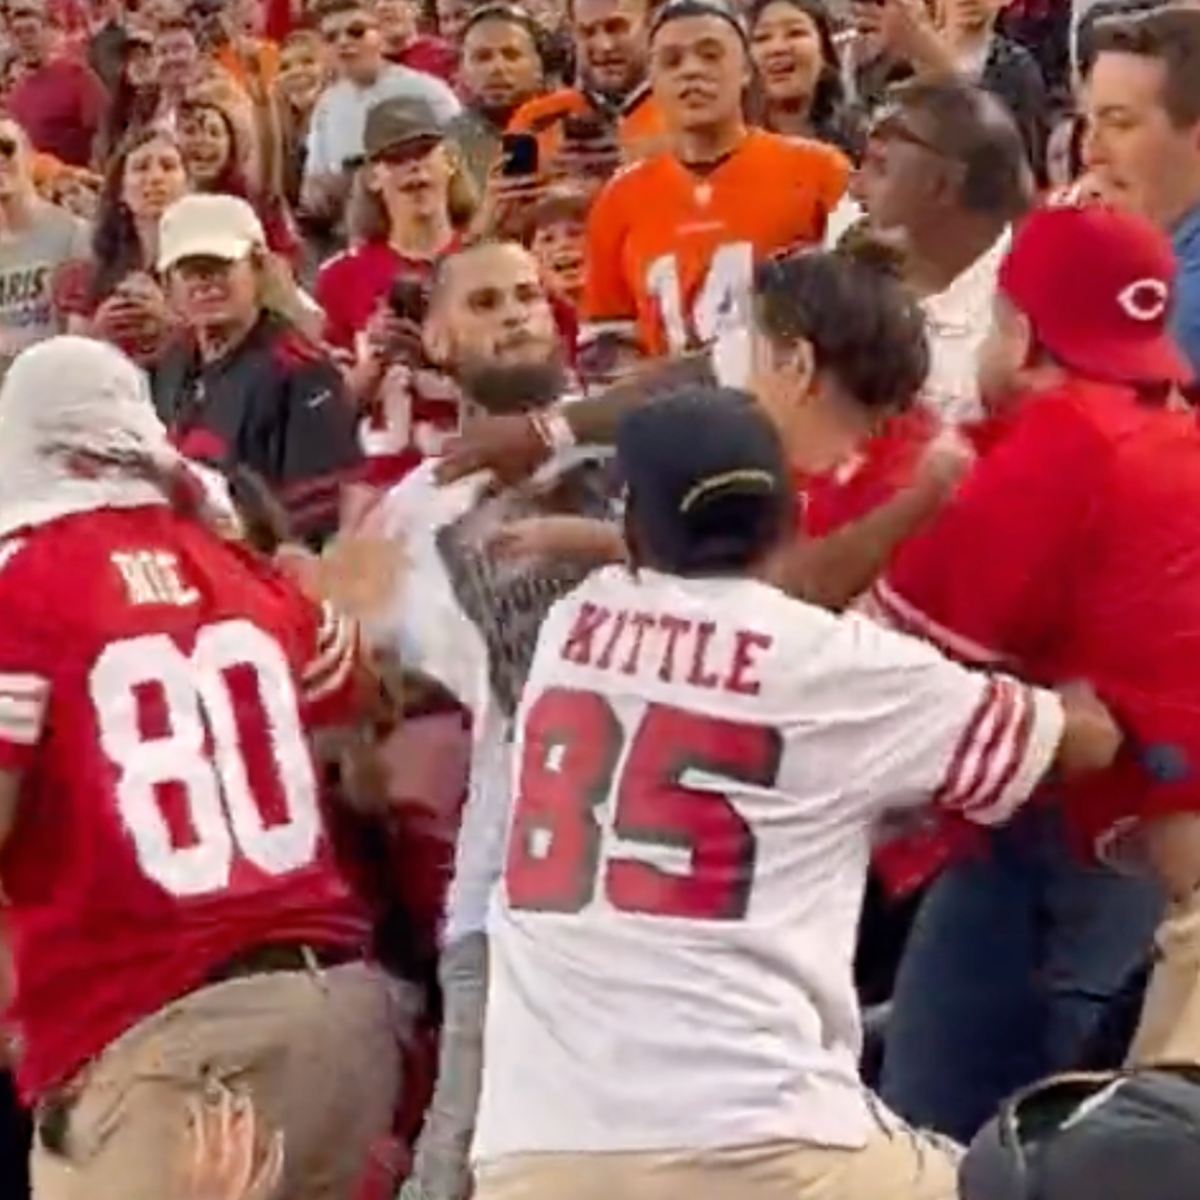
[958, 320]
[697, 769]
[469, 624]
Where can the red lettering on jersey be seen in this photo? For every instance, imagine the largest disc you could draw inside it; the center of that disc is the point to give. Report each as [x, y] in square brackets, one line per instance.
[674, 628]
[747, 646]
[641, 622]
[610, 647]
[589, 620]
[701, 675]
[571, 749]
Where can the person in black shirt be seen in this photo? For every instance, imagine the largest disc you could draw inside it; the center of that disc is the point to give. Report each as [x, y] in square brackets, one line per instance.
[243, 384]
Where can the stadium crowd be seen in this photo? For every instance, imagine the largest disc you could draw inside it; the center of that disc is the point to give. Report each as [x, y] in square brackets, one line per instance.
[597, 598]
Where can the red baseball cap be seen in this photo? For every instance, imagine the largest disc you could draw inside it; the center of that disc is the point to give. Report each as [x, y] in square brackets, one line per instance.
[1097, 285]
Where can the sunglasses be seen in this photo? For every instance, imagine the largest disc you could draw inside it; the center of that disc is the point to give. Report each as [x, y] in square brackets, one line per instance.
[890, 126]
[8, 147]
[354, 32]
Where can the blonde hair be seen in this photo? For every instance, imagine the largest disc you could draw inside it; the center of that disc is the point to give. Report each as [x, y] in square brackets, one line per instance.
[278, 292]
[367, 219]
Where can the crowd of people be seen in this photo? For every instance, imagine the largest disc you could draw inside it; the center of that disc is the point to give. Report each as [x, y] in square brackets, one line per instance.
[597, 597]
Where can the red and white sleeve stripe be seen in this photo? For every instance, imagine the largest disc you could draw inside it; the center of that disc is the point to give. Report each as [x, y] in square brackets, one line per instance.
[884, 605]
[333, 665]
[23, 701]
[1003, 752]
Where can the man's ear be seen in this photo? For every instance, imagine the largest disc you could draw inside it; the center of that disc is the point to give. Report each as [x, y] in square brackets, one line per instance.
[802, 364]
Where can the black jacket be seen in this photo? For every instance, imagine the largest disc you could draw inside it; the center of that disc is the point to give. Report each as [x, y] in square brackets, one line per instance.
[275, 404]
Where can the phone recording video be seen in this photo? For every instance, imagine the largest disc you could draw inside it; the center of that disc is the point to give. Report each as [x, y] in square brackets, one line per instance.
[408, 300]
[518, 155]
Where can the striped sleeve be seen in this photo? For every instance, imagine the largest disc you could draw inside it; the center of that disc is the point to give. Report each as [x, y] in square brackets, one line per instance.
[329, 681]
[1004, 749]
[923, 729]
[24, 698]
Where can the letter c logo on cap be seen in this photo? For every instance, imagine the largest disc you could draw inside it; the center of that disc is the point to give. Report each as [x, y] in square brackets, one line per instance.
[1145, 299]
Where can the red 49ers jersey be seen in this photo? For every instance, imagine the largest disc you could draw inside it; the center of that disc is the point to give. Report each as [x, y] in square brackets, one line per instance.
[673, 252]
[156, 685]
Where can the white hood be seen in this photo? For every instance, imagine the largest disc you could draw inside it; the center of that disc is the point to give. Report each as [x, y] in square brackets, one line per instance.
[65, 397]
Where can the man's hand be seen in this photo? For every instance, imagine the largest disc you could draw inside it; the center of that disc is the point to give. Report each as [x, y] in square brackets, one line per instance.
[226, 1156]
[558, 536]
[509, 446]
[1091, 738]
[945, 461]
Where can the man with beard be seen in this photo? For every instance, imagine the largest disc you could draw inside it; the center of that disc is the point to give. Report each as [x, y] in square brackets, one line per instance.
[612, 44]
[468, 620]
[501, 69]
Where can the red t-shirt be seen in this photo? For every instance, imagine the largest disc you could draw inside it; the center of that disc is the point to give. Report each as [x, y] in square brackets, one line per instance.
[433, 55]
[351, 285]
[885, 465]
[1072, 551]
[60, 106]
[156, 699]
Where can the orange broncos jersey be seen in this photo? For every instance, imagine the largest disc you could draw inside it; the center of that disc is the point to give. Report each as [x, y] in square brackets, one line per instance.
[640, 125]
[673, 252]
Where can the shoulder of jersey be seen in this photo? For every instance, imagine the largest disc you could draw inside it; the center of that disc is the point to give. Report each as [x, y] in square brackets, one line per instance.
[336, 262]
[537, 115]
[294, 348]
[9, 549]
[632, 174]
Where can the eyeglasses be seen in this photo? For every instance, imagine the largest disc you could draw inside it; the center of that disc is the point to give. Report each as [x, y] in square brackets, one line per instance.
[353, 32]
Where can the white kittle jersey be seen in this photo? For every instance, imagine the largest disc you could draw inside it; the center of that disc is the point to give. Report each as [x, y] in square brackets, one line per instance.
[698, 765]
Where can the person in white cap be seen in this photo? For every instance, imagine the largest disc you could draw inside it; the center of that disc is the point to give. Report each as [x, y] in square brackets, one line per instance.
[246, 384]
[175, 917]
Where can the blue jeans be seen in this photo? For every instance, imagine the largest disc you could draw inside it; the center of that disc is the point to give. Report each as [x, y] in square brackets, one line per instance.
[1011, 961]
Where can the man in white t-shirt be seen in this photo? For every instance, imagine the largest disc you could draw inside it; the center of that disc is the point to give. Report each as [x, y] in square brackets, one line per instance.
[698, 762]
[467, 619]
[945, 171]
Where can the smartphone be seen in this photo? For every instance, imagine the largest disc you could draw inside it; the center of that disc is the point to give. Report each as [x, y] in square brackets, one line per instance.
[519, 153]
[408, 300]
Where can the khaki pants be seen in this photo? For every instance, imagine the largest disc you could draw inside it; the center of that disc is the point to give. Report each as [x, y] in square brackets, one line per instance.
[319, 1052]
[1169, 1029]
[897, 1164]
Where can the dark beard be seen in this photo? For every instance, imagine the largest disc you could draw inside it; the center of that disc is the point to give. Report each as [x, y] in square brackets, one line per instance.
[511, 388]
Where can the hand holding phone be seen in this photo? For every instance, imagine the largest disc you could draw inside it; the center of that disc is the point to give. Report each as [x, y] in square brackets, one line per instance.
[519, 155]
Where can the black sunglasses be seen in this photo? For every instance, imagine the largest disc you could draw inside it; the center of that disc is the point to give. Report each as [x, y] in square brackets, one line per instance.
[355, 31]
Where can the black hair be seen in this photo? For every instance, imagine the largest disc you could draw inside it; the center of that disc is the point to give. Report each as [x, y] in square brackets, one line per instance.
[865, 327]
[263, 518]
[738, 533]
[829, 116]
[1167, 34]
[969, 126]
[116, 248]
[1084, 46]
